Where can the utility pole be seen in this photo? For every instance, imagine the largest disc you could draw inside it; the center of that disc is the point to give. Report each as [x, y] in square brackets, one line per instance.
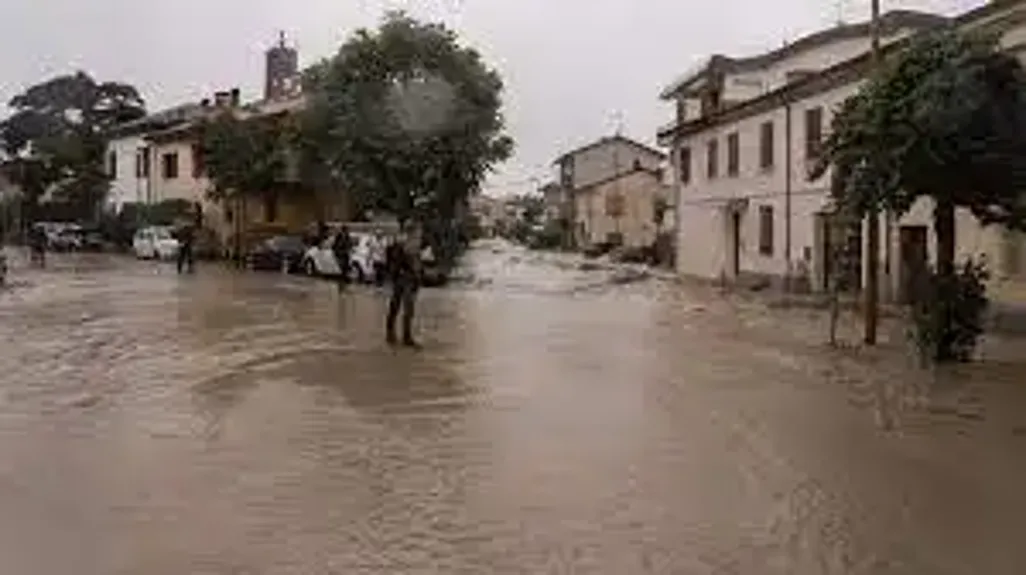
[872, 302]
[618, 193]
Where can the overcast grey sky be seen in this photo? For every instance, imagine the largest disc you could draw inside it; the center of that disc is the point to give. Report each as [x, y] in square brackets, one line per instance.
[569, 65]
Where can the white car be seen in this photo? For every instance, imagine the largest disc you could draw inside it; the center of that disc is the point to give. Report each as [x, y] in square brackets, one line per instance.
[320, 260]
[155, 242]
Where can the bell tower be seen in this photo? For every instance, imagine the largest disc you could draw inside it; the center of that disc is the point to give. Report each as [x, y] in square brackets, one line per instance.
[282, 67]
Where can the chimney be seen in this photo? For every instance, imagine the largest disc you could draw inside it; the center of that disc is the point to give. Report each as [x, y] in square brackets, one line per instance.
[222, 99]
[235, 96]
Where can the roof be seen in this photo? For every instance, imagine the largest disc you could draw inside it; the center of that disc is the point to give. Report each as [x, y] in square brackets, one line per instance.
[838, 75]
[293, 103]
[608, 140]
[890, 23]
[157, 120]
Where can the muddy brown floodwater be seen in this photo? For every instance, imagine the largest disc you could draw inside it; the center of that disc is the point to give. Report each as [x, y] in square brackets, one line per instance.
[555, 422]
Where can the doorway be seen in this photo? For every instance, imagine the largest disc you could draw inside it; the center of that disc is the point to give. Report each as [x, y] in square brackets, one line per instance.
[734, 259]
[913, 262]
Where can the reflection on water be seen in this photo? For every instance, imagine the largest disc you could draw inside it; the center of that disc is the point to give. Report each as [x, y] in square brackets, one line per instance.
[242, 423]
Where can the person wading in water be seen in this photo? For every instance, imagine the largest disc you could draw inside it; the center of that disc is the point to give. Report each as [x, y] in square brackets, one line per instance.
[37, 241]
[186, 238]
[405, 270]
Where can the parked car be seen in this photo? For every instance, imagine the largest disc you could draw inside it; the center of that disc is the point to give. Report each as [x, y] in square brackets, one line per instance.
[155, 242]
[60, 236]
[279, 253]
[320, 260]
[93, 241]
[68, 238]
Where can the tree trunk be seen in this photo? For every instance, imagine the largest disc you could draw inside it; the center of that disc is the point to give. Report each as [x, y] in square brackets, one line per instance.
[944, 227]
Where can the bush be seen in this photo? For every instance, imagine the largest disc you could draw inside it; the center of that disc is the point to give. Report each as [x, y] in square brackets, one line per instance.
[948, 314]
[549, 237]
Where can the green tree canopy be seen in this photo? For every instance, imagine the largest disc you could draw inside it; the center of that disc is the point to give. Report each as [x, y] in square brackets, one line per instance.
[245, 154]
[57, 135]
[945, 118]
[405, 118]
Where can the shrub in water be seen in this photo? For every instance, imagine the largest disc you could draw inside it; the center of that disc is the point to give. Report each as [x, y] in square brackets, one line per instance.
[948, 314]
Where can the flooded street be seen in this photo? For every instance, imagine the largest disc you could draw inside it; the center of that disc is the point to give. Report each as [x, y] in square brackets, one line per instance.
[555, 422]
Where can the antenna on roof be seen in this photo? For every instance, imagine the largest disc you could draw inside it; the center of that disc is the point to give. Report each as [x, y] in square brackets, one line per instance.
[281, 38]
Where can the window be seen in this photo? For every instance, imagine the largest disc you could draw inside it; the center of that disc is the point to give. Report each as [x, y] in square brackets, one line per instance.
[733, 154]
[169, 165]
[142, 164]
[682, 110]
[198, 166]
[712, 165]
[766, 230]
[684, 165]
[566, 173]
[813, 132]
[112, 165]
[766, 145]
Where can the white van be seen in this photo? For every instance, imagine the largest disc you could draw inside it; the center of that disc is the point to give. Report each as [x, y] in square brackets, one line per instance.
[155, 242]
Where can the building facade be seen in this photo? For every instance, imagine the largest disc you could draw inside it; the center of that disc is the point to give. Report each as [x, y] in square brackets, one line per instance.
[607, 172]
[130, 158]
[745, 206]
[721, 81]
[620, 210]
[603, 159]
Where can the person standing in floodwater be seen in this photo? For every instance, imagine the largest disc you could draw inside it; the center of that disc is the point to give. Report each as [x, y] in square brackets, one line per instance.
[186, 239]
[343, 248]
[405, 270]
[37, 241]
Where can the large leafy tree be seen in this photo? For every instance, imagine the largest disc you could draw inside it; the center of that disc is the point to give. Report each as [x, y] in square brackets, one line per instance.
[945, 119]
[406, 119]
[245, 155]
[57, 134]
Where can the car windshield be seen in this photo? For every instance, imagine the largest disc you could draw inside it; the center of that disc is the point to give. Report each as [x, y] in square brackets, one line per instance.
[161, 233]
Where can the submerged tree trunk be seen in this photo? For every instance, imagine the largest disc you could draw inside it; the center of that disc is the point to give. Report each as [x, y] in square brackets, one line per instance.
[944, 227]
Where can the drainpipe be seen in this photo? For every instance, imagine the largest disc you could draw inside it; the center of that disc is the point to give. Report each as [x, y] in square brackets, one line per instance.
[787, 195]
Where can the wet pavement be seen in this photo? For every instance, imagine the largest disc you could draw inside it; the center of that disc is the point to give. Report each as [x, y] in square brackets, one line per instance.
[556, 421]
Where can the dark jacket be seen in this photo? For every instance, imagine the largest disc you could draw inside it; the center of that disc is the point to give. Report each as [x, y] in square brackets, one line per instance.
[343, 245]
[401, 265]
[185, 235]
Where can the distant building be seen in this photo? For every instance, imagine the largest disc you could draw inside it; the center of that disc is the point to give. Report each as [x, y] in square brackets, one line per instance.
[488, 212]
[603, 186]
[158, 159]
[130, 157]
[555, 199]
